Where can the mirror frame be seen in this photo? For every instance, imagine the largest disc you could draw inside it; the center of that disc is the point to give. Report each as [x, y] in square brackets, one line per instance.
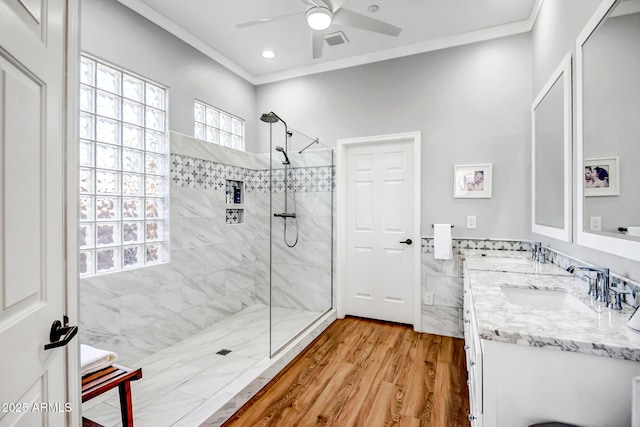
[561, 74]
[625, 248]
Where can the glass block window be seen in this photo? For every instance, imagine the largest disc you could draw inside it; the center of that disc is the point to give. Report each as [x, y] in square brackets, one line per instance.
[124, 177]
[218, 127]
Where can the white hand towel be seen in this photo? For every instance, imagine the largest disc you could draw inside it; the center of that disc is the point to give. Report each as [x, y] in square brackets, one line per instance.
[442, 241]
[93, 359]
[633, 231]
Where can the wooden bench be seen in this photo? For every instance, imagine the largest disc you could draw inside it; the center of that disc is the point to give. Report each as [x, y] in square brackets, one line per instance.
[96, 383]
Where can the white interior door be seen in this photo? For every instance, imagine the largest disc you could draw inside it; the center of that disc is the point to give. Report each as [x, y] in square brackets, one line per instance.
[32, 215]
[379, 199]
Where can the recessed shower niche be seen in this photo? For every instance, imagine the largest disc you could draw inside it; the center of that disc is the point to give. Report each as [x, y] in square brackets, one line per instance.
[234, 194]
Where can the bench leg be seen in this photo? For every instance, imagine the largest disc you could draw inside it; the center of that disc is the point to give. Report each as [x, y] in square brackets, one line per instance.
[126, 405]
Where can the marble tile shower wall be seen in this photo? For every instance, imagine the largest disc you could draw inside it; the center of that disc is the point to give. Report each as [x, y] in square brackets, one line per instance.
[300, 275]
[211, 276]
[444, 279]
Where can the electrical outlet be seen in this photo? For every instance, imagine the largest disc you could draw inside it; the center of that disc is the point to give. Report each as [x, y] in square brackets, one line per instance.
[595, 223]
[428, 298]
[471, 221]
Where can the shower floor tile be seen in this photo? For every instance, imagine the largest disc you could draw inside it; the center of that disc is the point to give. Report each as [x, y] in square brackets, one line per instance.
[180, 378]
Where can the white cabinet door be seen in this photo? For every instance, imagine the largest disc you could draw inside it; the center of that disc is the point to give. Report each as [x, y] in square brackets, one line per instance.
[473, 353]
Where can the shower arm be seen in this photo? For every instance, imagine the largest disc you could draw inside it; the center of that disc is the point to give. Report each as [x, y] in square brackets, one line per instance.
[315, 141]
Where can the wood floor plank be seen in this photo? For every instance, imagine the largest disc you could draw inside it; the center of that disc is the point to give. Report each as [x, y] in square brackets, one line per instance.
[385, 409]
[421, 379]
[363, 395]
[367, 373]
[353, 349]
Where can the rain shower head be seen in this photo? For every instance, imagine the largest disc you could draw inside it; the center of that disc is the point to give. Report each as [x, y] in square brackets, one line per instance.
[286, 158]
[271, 117]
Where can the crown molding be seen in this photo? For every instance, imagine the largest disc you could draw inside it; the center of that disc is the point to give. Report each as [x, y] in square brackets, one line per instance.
[167, 24]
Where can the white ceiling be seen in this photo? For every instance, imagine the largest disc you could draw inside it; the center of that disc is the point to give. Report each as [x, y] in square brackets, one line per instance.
[209, 26]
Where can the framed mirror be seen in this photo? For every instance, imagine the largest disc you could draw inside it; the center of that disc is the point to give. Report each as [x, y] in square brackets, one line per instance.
[551, 156]
[608, 133]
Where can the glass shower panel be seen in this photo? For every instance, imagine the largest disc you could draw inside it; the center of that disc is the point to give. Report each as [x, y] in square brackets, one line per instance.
[301, 236]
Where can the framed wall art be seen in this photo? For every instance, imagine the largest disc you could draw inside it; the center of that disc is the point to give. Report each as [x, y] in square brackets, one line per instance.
[472, 181]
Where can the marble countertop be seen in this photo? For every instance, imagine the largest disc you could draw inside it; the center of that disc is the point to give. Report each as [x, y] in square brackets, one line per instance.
[598, 331]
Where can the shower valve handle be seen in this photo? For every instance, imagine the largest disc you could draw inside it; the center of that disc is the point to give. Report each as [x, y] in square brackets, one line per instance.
[407, 242]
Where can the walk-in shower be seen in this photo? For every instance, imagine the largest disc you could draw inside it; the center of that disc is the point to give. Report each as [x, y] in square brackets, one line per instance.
[234, 294]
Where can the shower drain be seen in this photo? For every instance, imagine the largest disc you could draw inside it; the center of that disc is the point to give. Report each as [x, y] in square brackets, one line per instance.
[224, 352]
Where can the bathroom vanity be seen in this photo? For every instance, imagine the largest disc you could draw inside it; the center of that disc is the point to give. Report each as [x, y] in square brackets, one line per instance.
[540, 349]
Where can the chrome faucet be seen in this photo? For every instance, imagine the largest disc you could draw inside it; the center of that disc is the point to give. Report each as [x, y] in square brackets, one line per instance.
[538, 252]
[601, 289]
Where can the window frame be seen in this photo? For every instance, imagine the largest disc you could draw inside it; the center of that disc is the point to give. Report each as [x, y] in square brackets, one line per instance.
[209, 128]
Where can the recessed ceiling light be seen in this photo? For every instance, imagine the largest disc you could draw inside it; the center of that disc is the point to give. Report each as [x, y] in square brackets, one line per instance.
[268, 54]
[373, 8]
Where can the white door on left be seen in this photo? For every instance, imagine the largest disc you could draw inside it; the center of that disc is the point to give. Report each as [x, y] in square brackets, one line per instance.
[32, 213]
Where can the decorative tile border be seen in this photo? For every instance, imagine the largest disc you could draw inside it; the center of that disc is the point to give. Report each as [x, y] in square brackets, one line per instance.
[190, 172]
[459, 245]
[557, 258]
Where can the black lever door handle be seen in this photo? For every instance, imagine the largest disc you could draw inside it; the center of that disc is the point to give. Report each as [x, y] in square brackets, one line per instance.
[58, 331]
[407, 242]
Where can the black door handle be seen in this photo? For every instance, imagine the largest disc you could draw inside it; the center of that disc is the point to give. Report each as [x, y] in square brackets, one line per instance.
[58, 331]
[407, 242]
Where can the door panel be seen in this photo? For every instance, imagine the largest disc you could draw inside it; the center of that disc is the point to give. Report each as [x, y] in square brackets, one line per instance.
[364, 206]
[32, 215]
[379, 215]
[393, 207]
[22, 97]
[363, 257]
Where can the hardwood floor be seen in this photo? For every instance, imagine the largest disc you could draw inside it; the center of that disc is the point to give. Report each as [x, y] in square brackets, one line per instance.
[367, 373]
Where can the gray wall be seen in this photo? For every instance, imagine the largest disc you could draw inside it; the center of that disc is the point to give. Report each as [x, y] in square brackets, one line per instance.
[116, 34]
[471, 104]
[554, 35]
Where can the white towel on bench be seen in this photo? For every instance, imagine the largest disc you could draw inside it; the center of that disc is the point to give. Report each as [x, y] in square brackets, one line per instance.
[94, 359]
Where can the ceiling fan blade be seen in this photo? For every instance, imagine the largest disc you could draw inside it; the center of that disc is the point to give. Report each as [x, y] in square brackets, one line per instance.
[356, 20]
[317, 43]
[265, 20]
[311, 3]
[337, 4]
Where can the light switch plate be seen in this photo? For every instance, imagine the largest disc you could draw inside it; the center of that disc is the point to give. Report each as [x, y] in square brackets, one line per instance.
[595, 223]
[471, 221]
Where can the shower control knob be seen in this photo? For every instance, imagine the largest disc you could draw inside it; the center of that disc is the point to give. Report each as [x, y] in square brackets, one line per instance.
[407, 242]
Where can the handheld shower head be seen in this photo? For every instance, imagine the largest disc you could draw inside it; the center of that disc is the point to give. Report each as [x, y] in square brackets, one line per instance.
[286, 158]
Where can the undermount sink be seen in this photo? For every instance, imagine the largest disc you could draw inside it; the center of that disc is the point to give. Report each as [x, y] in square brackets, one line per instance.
[544, 298]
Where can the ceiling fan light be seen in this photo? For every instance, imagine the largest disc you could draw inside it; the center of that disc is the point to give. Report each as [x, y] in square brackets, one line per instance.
[319, 18]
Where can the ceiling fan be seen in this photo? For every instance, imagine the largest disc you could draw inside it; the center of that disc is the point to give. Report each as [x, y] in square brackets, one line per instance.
[322, 13]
